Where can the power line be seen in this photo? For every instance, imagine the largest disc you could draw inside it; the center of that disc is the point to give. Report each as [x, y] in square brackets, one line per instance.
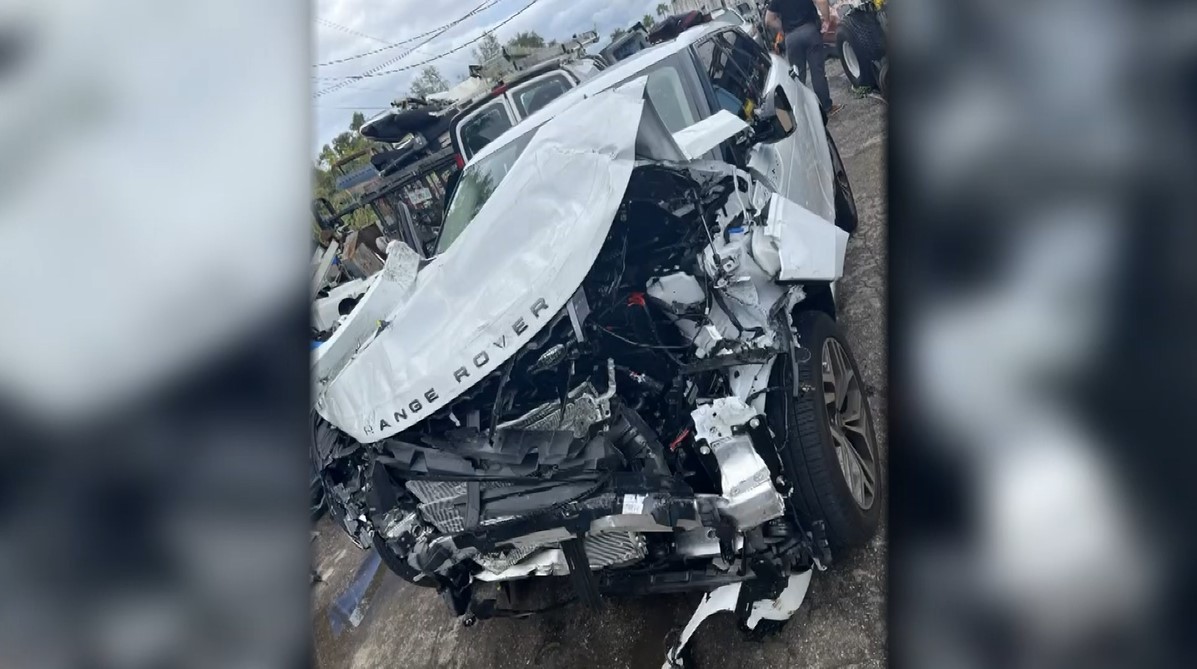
[409, 40]
[450, 57]
[375, 72]
[371, 72]
[351, 31]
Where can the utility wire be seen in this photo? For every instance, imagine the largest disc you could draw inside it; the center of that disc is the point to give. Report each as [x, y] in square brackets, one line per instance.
[409, 40]
[374, 70]
[351, 31]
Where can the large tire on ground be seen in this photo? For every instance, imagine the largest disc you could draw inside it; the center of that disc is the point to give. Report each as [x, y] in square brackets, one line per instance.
[845, 203]
[828, 418]
[860, 42]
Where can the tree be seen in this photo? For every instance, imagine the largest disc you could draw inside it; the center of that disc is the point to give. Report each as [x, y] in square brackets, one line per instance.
[343, 143]
[488, 48]
[617, 33]
[324, 177]
[429, 81]
[327, 156]
[663, 9]
[647, 21]
[528, 39]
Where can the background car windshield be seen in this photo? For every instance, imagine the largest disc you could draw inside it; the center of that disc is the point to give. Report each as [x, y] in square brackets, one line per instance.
[486, 125]
[478, 183]
[539, 93]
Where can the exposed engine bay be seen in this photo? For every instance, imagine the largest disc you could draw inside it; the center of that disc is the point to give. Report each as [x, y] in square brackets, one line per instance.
[625, 443]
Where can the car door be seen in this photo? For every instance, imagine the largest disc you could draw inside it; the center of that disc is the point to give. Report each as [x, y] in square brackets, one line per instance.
[739, 74]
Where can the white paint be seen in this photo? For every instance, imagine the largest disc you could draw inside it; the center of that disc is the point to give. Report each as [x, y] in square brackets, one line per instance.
[725, 598]
[464, 308]
[698, 139]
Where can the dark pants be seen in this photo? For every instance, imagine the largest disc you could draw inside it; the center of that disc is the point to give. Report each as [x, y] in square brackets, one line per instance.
[804, 47]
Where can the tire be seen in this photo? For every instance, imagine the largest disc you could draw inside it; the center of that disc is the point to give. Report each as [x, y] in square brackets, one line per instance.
[883, 79]
[860, 42]
[809, 451]
[846, 216]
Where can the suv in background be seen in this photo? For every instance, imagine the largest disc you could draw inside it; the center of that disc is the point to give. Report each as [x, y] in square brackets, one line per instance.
[514, 98]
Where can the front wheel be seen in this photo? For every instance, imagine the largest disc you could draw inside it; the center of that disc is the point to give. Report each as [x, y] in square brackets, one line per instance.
[826, 428]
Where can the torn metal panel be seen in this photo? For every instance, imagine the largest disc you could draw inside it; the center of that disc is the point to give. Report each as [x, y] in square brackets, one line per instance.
[726, 598]
[390, 287]
[720, 599]
[785, 606]
[709, 133]
[807, 246]
[498, 284]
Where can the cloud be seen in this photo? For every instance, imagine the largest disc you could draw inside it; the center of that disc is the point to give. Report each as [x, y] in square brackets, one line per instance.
[403, 19]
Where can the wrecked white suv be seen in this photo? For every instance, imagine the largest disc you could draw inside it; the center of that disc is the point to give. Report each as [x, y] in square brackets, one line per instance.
[623, 365]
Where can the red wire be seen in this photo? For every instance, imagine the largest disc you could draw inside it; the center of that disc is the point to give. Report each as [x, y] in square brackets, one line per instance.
[674, 444]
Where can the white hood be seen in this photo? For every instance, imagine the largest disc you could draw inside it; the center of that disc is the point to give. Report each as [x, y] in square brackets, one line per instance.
[512, 269]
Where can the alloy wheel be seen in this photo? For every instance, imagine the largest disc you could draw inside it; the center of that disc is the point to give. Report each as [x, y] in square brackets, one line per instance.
[854, 441]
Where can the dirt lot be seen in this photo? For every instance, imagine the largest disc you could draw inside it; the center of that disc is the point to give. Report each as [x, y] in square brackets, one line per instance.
[841, 623]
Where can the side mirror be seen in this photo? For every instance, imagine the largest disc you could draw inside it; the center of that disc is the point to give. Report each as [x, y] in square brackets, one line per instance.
[773, 120]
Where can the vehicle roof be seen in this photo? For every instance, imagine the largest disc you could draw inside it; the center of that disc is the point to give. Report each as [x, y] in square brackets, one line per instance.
[608, 78]
[565, 62]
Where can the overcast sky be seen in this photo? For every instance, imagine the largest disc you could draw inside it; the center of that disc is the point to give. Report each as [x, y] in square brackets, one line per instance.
[396, 20]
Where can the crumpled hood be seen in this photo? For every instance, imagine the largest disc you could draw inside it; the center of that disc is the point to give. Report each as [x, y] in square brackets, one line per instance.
[512, 269]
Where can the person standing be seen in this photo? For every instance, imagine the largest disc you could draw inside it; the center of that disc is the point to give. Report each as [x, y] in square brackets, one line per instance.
[803, 23]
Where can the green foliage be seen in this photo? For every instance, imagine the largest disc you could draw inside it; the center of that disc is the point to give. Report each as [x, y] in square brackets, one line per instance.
[617, 33]
[429, 81]
[663, 9]
[647, 21]
[527, 39]
[324, 174]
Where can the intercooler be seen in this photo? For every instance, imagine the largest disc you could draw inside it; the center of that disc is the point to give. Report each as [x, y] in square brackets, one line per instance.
[440, 504]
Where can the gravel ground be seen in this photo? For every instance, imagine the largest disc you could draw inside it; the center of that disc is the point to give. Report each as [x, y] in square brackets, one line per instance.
[841, 623]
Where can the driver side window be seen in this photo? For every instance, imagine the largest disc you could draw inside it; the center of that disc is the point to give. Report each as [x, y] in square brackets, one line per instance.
[737, 68]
